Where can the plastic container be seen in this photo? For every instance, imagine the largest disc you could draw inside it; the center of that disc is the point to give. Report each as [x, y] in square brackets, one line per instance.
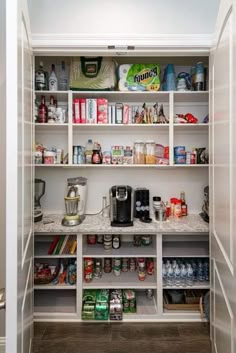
[49, 157]
[139, 152]
[179, 151]
[150, 157]
[89, 152]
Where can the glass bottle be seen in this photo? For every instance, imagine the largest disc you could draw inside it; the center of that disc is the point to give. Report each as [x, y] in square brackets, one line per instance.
[52, 81]
[63, 80]
[51, 111]
[40, 78]
[43, 111]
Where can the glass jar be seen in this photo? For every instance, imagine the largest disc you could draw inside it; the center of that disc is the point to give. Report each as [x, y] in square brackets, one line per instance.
[150, 157]
[139, 152]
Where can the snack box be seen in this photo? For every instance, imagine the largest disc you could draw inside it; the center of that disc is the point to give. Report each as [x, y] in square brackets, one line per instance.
[91, 111]
[102, 111]
[139, 77]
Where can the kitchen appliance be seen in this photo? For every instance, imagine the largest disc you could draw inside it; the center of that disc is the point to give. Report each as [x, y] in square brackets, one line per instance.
[75, 201]
[39, 191]
[121, 203]
[205, 207]
[141, 203]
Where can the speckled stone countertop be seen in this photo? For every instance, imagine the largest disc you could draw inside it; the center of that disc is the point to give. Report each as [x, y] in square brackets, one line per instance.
[98, 224]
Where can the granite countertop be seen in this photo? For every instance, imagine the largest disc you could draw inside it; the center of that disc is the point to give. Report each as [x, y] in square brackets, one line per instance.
[98, 224]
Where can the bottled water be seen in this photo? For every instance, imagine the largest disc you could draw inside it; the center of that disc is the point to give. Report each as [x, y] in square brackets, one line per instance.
[200, 273]
[167, 263]
[206, 270]
[174, 263]
[183, 274]
[164, 274]
[189, 275]
[195, 270]
[177, 275]
[170, 276]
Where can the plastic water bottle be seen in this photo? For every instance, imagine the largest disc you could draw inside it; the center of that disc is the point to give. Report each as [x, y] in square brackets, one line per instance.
[177, 274]
[195, 270]
[200, 273]
[183, 274]
[164, 274]
[206, 270]
[89, 152]
[189, 275]
[170, 276]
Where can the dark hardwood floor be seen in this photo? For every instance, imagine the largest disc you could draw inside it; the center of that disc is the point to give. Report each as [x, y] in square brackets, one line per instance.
[121, 338]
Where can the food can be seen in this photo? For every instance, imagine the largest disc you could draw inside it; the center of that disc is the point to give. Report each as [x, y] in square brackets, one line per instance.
[91, 239]
[141, 275]
[125, 265]
[88, 275]
[117, 261]
[132, 264]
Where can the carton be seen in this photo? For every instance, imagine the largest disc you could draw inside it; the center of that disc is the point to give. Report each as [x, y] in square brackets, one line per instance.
[91, 111]
[102, 111]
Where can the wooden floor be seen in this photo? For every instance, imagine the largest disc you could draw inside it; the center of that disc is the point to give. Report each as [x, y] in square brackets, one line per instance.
[121, 338]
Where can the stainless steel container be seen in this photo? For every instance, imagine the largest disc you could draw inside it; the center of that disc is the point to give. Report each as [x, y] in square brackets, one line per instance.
[160, 214]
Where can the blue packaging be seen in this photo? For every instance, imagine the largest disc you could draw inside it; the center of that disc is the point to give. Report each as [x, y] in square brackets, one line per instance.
[180, 159]
[179, 151]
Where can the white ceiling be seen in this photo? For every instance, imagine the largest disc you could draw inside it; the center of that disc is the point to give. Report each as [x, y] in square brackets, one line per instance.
[121, 17]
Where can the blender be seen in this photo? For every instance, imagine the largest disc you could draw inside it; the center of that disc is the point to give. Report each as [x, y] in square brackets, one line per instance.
[76, 195]
[39, 191]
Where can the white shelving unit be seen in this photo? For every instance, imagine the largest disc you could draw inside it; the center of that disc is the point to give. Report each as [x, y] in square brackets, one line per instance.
[66, 305]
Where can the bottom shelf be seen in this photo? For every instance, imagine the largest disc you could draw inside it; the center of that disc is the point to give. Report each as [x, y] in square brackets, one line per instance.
[48, 301]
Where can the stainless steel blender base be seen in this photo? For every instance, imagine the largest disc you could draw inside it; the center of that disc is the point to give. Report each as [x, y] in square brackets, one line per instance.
[71, 222]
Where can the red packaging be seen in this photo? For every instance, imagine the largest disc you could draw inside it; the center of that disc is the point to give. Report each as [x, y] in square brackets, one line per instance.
[76, 111]
[166, 152]
[82, 110]
[102, 111]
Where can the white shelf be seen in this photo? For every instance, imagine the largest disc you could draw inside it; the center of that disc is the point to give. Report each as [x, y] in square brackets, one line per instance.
[185, 249]
[190, 166]
[125, 280]
[191, 128]
[196, 285]
[50, 303]
[61, 96]
[191, 96]
[54, 287]
[160, 128]
[55, 256]
[155, 166]
[46, 128]
[127, 249]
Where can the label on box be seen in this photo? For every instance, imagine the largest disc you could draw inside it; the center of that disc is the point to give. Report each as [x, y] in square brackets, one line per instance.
[76, 111]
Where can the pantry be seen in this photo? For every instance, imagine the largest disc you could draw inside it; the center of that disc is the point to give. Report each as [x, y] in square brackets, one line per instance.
[170, 141]
[165, 176]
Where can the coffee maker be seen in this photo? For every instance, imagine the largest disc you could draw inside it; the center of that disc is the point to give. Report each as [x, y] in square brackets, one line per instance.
[121, 203]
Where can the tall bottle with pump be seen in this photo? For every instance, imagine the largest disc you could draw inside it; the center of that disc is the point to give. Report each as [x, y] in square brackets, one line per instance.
[52, 81]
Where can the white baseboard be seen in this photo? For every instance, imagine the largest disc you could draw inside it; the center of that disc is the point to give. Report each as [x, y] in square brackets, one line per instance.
[2, 344]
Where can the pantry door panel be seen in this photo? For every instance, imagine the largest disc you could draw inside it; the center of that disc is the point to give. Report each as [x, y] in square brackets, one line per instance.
[222, 180]
[19, 185]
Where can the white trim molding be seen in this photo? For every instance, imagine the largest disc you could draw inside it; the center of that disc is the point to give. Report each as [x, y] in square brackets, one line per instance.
[111, 44]
[2, 343]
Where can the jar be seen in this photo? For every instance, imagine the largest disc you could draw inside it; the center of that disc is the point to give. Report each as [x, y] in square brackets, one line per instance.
[88, 275]
[49, 157]
[150, 157]
[38, 157]
[139, 152]
[116, 242]
[96, 157]
[107, 265]
[146, 240]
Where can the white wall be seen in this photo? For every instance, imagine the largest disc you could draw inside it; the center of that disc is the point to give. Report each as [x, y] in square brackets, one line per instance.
[132, 17]
[2, 155]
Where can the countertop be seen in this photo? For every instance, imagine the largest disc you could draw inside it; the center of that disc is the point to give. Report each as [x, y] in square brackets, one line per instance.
[98, 224]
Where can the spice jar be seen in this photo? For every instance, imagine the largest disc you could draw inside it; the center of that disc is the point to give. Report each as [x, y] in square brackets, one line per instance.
[139, 155]
[150, 157]
[49, 157]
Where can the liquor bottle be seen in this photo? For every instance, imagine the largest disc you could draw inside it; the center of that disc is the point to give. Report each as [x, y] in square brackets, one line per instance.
[51, 111]
[63, 80]
[40, 78]
[43, 111]
[184, 207]
[52, 81]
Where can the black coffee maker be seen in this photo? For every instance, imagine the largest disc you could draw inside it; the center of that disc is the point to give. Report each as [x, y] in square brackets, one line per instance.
[121, 203]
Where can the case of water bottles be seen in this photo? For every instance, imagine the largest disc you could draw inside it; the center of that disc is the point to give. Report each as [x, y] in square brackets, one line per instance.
[185, 272]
